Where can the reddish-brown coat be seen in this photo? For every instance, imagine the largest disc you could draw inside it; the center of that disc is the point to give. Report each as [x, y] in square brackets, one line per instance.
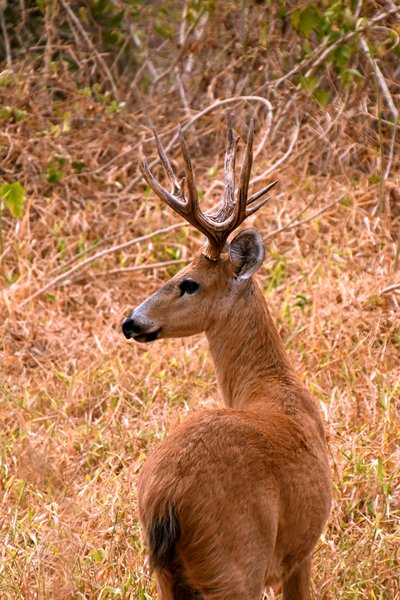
[249, 484]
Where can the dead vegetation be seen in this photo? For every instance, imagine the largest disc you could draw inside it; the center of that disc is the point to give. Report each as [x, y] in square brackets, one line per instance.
[80, 407]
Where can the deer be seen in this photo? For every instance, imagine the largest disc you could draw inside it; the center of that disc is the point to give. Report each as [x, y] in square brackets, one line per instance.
[235, 499]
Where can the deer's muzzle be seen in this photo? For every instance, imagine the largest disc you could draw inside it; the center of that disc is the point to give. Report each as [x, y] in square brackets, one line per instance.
[140, 332]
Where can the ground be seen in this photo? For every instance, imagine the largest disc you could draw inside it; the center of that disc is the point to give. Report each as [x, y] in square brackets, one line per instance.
[81, 407]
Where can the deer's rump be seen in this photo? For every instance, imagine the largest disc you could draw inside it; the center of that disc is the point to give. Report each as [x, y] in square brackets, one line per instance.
[233, 491]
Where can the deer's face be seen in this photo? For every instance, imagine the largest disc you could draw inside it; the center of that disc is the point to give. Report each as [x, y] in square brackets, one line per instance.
[198, 294]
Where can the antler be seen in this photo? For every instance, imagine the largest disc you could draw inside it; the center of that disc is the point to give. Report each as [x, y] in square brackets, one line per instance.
[233, 211]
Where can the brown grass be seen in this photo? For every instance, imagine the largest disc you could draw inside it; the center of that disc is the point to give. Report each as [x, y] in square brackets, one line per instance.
[81, 408]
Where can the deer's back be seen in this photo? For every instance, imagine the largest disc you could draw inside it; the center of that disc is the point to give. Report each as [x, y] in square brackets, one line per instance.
[229, 474]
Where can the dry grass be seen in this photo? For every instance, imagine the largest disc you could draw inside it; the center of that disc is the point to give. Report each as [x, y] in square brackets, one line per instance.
[81, 408]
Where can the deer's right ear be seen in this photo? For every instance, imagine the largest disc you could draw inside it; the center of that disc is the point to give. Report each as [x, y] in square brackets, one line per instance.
[246, 253]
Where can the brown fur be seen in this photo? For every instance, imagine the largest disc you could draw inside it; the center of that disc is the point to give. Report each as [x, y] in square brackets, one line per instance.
[249, 484]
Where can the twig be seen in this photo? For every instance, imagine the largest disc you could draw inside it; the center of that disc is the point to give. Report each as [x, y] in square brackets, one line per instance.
[145, 267]
[397, 256]
[380, 78]
[220, 103]
[136, 40]
[391, 288]
[388, 97]
[180, 53]
[95, 257]
[391, 152]
[282, 158]
[357, 9]
[182, 93]
[293, 223]
[83, 253]
[182, 28]
[6, 39]
[91, 46]
[108, 163]
[147, 64]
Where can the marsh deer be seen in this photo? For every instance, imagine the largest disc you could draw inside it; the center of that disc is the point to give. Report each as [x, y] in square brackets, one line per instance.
[236, 498]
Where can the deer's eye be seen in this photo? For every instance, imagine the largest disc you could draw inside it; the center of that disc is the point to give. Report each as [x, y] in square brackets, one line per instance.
[188, 286]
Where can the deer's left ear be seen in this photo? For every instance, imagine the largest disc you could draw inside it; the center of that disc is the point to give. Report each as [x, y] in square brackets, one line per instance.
[246, 253]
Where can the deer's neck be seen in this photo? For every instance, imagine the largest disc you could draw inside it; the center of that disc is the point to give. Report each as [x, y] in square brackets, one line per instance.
[249, 357]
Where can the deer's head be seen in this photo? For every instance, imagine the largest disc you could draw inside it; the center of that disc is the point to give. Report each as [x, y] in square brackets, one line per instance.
[206, 288]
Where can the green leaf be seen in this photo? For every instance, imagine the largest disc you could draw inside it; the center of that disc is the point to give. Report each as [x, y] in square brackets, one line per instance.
[350, 75]
[19, 115]
[41, 4]
[78, 165]
[6, 113]
[114, 107]
[7, 78]
[302, 301]
[308, 83]
[341, 56]
[53, 175]
[55, 130]
[295, 18]
[13, 195]
[99, 555]
[306, 20]
[322, 97]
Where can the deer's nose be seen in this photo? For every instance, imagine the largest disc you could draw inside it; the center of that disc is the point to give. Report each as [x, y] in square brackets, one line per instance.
[129, 327]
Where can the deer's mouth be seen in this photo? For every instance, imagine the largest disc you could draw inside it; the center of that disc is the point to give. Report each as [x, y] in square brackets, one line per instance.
[144, 338]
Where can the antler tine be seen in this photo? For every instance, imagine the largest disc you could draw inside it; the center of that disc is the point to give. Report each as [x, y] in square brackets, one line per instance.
[240, 208]
[260, 193]
[246, 166]
[177, 191]
[188, 209]
[253, 209]
[193, 199]
[158, 189]
[229, 172]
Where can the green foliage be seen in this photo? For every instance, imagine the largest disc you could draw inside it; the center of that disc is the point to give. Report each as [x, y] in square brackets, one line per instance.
[328, 22]
[306, 20]
[7, 78]
[78, 165]
[121, 36]
[302, 301]
[99, 555]
[55, 169]
[318, 24]
[13, 196]
[12, 115]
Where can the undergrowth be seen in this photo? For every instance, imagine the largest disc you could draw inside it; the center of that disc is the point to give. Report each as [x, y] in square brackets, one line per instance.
[82, 241]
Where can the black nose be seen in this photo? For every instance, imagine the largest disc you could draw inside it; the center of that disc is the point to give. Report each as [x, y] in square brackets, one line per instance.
[129, 328]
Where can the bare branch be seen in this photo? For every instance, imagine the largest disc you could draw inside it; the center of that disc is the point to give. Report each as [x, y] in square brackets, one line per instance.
[95, 257]
[282, 159]
[6, 38]
[91, 46]
[390, 288]
[293, 223]
[145, 267]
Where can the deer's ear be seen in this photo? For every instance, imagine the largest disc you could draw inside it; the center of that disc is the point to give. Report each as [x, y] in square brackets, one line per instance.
[246, 253]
